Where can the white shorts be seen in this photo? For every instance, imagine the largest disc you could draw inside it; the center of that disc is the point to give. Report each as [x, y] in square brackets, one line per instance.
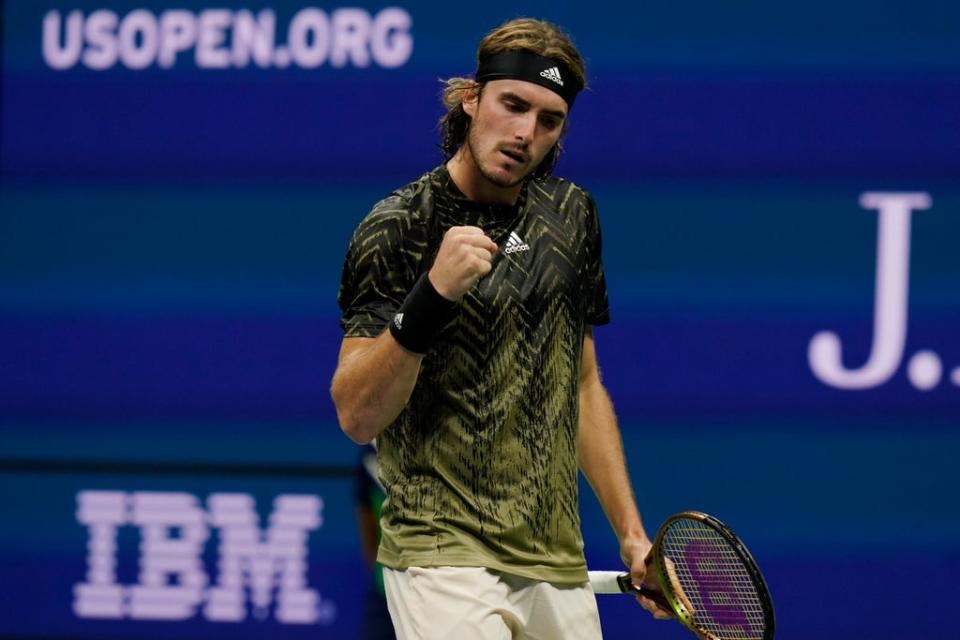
[466, 603]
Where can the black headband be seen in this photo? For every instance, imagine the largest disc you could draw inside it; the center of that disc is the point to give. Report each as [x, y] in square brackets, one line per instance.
[527, 66]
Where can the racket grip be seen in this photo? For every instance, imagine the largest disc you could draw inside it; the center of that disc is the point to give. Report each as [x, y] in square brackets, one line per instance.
[627, 586]
[625, 583]
[606, 581]
[617, 582]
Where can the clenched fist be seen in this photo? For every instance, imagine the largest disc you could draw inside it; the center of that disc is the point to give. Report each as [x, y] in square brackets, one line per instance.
[465, 256]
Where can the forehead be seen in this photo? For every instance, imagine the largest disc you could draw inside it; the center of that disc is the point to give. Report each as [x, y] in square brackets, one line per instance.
[538, 97]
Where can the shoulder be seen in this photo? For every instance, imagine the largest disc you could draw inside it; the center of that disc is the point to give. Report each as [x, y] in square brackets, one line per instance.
[403, 207]
[567, 199]
[562, 192]
[396, 225]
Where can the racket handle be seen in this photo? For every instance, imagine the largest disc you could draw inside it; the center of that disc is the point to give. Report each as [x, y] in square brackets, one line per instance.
[625, 585]
[605, 581]
[618, 582]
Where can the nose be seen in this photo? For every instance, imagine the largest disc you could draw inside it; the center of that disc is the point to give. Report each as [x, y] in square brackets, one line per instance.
[526, 126]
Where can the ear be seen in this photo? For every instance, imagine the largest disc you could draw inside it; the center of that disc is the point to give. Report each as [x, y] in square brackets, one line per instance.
[471, 98]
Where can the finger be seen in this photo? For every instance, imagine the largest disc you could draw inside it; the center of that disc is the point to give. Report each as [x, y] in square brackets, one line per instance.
[479, 240]
[658, 612]
[469, 256]
[483, 253]
[466, 230]
[648, 604]
[483, 268]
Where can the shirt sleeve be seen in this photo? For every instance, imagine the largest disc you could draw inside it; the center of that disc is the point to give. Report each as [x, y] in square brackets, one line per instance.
[597, 310]
[378, 272]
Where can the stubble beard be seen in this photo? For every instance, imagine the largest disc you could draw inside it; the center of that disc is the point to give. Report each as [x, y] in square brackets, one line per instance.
[500, 182]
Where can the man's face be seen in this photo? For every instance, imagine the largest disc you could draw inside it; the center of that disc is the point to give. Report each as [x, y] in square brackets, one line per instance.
[514, 124]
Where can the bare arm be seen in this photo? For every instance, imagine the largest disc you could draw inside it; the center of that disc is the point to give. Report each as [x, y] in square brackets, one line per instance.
[372, 384]
[601, 458]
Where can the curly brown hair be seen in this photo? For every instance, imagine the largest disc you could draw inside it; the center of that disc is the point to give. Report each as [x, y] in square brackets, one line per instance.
[522, 34]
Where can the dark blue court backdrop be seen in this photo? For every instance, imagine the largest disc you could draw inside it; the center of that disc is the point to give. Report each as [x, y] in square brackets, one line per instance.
[779, 187]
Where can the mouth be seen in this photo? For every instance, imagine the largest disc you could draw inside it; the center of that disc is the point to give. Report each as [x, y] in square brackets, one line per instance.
[516, 156]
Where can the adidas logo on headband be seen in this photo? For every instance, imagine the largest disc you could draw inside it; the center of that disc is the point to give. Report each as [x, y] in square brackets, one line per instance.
[530, 67]
[552, 74]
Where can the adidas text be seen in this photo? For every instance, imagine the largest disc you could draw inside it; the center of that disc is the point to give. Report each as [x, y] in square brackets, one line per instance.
[515, 244]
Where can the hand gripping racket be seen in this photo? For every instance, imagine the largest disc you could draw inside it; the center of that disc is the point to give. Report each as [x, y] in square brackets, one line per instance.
[707, 579]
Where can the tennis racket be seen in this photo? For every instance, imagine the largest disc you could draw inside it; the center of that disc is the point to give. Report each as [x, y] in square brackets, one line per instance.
[707, 579]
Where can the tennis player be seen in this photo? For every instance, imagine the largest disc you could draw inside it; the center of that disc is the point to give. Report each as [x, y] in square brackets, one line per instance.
[468, 298]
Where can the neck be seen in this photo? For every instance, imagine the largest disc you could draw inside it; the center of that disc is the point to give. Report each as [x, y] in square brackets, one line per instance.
[472, 183]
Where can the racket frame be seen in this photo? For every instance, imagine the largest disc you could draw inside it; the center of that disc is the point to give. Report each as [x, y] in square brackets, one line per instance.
[675, 602]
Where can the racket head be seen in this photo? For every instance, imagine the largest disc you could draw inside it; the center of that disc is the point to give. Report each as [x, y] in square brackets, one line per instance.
[710, 580]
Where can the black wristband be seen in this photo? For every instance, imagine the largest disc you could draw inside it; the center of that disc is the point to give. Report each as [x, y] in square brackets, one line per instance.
[421, 317]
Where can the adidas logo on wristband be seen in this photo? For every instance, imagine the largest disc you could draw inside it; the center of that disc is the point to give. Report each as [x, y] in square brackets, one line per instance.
[429, 312]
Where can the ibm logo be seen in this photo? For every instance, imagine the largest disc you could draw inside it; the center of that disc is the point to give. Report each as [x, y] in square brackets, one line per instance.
[173, 583]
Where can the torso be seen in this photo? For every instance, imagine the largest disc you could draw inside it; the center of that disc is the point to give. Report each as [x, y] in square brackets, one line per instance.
[480, 467]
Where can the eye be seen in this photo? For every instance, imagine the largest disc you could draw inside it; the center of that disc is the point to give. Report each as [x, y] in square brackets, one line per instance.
[515, 107]
[550, 122]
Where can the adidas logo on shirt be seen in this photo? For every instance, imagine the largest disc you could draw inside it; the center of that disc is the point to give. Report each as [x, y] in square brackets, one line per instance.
[398, 321]
[515, 244]
[552, 73]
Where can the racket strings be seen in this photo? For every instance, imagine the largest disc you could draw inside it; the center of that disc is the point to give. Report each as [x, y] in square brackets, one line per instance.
[715, 581]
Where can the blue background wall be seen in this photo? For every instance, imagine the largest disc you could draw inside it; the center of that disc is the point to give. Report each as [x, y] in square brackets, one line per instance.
[171, 241]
